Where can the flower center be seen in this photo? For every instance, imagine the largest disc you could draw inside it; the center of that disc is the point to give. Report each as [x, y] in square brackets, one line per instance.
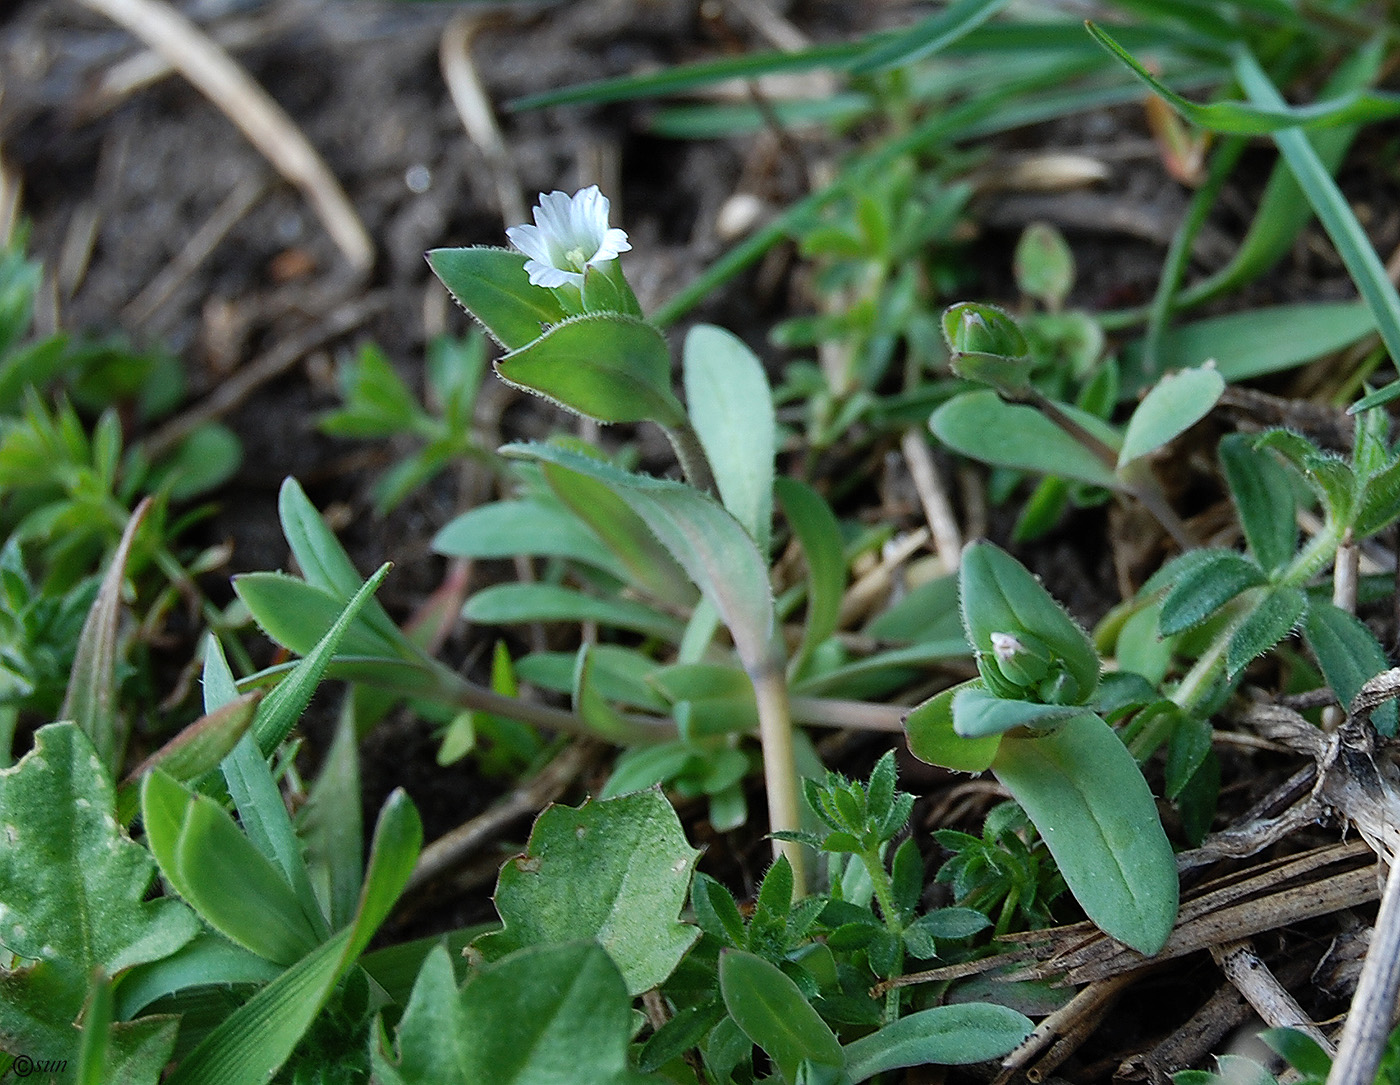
[576, 259]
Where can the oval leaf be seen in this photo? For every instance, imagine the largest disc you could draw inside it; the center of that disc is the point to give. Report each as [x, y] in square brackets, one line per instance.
[945, 1035]
[773, 1013]
[1176, 403]
[493, 286]
[1088, 800]
[1204, 588]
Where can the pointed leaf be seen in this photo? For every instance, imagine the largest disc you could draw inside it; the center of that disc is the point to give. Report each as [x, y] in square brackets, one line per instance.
[1349, 655]
[616, 871]
[816, 528]
[534, 527]
[1263, 497]
[1204, 588]
[773, 1014]
[493, 286]
[978, 714]
[1088, 800]
[1276, 616]
[606, 366]
[1176, 403]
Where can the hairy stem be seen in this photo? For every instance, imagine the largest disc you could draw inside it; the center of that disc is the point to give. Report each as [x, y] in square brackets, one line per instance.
[695, 465]
[780, 764]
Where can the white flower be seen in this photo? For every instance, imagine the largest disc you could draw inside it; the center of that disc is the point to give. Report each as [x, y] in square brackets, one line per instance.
[570, 235]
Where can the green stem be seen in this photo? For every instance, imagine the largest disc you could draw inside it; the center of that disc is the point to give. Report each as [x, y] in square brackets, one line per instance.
[884, 896]
[780, 764]
[695, 465]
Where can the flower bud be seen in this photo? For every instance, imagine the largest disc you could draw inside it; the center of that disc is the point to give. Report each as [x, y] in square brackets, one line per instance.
[1022, 659]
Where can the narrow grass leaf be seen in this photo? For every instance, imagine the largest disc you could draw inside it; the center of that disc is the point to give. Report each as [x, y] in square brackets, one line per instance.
[929, 36]
[1256, 118]
[1335, 214]
[91, 700]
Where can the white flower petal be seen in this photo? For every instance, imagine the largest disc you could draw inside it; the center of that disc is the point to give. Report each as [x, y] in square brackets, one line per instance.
[550, 276]
[529, 241]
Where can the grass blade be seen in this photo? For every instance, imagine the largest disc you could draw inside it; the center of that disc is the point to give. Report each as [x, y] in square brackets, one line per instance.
[929, 36]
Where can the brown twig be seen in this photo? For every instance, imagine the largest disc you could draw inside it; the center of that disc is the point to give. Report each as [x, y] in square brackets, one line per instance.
[933, 496]
[251, 108]
[1373, 1007]
[1253, 979]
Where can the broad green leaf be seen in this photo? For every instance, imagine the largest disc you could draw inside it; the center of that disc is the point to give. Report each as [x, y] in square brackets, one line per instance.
[979, 714]
[616, 871]
[1176, 403]
[493, 286]
[1302, 1052]
[946, 1035]
[543, 1014]
[296, 615]
[75, 892]
[91, 700]
[508, 604]
[1336, 216]
[926, 613]
[982, 426]
[607, 366]
[815, 526]
[999, 595]
[771, 1010]
[1091, 806]
[250, 1046]
[1266, 115]
[929, 728]
[535, 527]
[731, 409]
[646, 766]
[1349, 655]
[1277, 614]
[1255, 343]
[213, 866]
[1263, 497]
[649, 566]
[1206, 587]
[928, 36]
[714, 549]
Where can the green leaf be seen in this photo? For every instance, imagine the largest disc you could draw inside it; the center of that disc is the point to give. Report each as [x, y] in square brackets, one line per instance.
[773, 1014]
[731, 409]
[928, 36]
[202, 462]
[946, 1035]
[1303, 1053]
[649, 565]
[1044, 264]
[816, 528]
[1277, 615]
[1091, 806]
[932, 739]
[982, 426]
[250, 1046]
[1207, 586]
[1176, 403]
[543, 1014]
[1256, 343]
[616, 871]
[296, 615]
[1349, 655]
[1263, 497]
[533, 526]
[999, 595]
[282, 708]
[1337, 218]
[493, 286]
[589, 703]
[607, 366]
[91, 700]
[714, 549]
[202, 854]
[508, 604]
[979, 714]
[1268, 118]
[75, 888]
[330, 825]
